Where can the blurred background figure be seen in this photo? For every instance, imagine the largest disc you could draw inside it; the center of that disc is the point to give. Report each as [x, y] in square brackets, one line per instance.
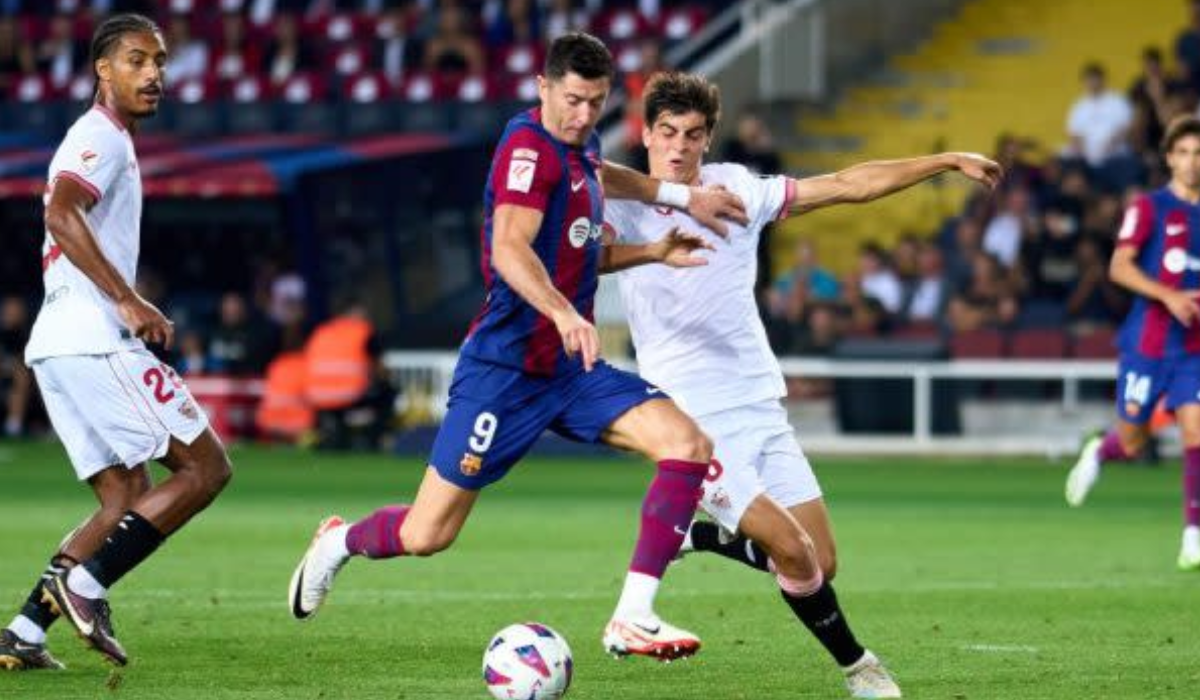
[16, 381]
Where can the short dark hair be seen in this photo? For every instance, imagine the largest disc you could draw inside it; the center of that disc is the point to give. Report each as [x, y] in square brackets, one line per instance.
[1092, 69]
[679, 93]
[581, 54]
[109, 34]
[1184, 125]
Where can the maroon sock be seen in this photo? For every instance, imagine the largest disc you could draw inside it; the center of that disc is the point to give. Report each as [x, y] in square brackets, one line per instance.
[1111, 449]
[1191, 486]
[377, 536]
[666, 513]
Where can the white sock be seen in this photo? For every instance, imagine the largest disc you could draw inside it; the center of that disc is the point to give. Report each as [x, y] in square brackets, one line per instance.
[637, 597]
[27, 630]
[81, 581]
[1191, 537]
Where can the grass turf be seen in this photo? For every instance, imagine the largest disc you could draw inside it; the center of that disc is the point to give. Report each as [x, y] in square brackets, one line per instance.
[971, 578]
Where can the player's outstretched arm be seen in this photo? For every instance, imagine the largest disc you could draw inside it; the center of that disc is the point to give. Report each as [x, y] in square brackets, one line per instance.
[711, 206]
[66, 221]
[866, 182]
[514, 229]
[674, 250]
[1123, 269]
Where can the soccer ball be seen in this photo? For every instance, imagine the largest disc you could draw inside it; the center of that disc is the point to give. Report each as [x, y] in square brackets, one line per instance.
[527, 661]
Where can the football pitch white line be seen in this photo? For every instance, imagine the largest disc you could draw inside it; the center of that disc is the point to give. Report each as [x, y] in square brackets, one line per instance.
[350, 595]
[1001, 648]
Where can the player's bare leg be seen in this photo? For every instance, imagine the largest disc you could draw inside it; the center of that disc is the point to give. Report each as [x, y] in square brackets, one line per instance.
[428, 526]
[660, 431]
[1188, 417]
[1122, 443]
[117, 489]
[199, 472]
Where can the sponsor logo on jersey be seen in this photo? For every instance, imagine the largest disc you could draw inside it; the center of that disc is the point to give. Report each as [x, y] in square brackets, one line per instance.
[470, 464]
[525, 154]
[581, 230]
[520, 175]
[188, 410]
[88, 160]
[1176, 229]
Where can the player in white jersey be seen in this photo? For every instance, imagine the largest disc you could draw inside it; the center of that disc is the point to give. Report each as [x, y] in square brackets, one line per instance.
[698, 336]
[113, 404]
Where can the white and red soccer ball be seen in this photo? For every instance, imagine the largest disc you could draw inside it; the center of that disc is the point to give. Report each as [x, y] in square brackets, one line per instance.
[527, 661]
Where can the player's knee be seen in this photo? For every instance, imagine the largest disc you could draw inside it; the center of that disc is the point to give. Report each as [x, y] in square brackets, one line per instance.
[794, 555]
[829, 563]
[425, 544]
[691, 445]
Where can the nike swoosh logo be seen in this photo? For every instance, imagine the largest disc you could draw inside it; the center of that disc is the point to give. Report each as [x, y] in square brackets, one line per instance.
[647, 630]
[651, 390]
[576, 186]
[680, 531]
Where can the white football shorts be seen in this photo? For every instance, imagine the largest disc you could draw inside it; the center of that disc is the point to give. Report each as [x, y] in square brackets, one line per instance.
[119, 408]
[757, 450]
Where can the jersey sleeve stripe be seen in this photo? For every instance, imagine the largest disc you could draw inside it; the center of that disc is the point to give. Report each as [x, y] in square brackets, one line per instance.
[82, 181]
[788, 198]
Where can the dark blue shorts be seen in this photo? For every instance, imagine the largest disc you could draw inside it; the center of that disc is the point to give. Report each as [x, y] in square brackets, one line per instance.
[1141, 381]
[495, 414]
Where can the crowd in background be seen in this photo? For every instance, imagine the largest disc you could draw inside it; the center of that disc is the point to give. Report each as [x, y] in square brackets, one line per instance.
[1034, 255]
[306, 50]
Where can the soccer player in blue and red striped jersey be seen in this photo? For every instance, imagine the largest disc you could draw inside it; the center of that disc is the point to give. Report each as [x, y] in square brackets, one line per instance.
[530, 361]
[1158, 258]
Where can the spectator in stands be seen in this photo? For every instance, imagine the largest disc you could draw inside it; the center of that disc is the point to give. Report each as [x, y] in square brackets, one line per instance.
[287, 54]
[930, 293]
[16, 382]
[968, 240]
[877, 280]
[563, 16]
[345, 380]
[189, 56]
[821, 331]
[1012, 153]
[806, 283]
[238, 345]
[284, 412]
[1148, 95]
[1099, 122]
[1009, 226]
[753, 146]
[235, 56]
[453, 49]
[394, 50]
[988, 300]
[1094, 299]
[517, 22]
[60, 57]
[191, 356]
[1048, 260]
[16, 55]
[1187, 46]
[649, 63]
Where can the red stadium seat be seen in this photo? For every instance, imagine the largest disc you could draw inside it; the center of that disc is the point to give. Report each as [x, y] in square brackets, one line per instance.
[622, 24]
[525, 89]
[918, 330]
[249, 88]
[366, 88]
[348, 59]
[1097, 344]
[33, 88]
[628, 57]
[194, 90]
[521, 59]
[344, 27]
[986, 343]
[418, 87]
[475, 89]
[304, 87]
[680, 23]
[1039, 344]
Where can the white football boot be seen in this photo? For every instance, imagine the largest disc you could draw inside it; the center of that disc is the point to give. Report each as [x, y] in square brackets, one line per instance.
[314, 575]
[1189, 551]
[648, 636]
[1085, 473]
[867, 678]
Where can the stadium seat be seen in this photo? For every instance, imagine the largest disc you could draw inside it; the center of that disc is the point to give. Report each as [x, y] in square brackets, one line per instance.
[680, 23]
[985, 343]
[520, 59]
[918, 330]
[366, 88]
[303, 88]
[1096, 344]
[622, 24]
[1039, 344]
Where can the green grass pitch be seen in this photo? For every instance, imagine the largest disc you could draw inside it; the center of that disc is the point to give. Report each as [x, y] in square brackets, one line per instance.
[971, 578]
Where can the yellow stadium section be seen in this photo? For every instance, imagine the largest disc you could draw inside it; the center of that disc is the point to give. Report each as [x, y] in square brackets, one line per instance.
[997, 66]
